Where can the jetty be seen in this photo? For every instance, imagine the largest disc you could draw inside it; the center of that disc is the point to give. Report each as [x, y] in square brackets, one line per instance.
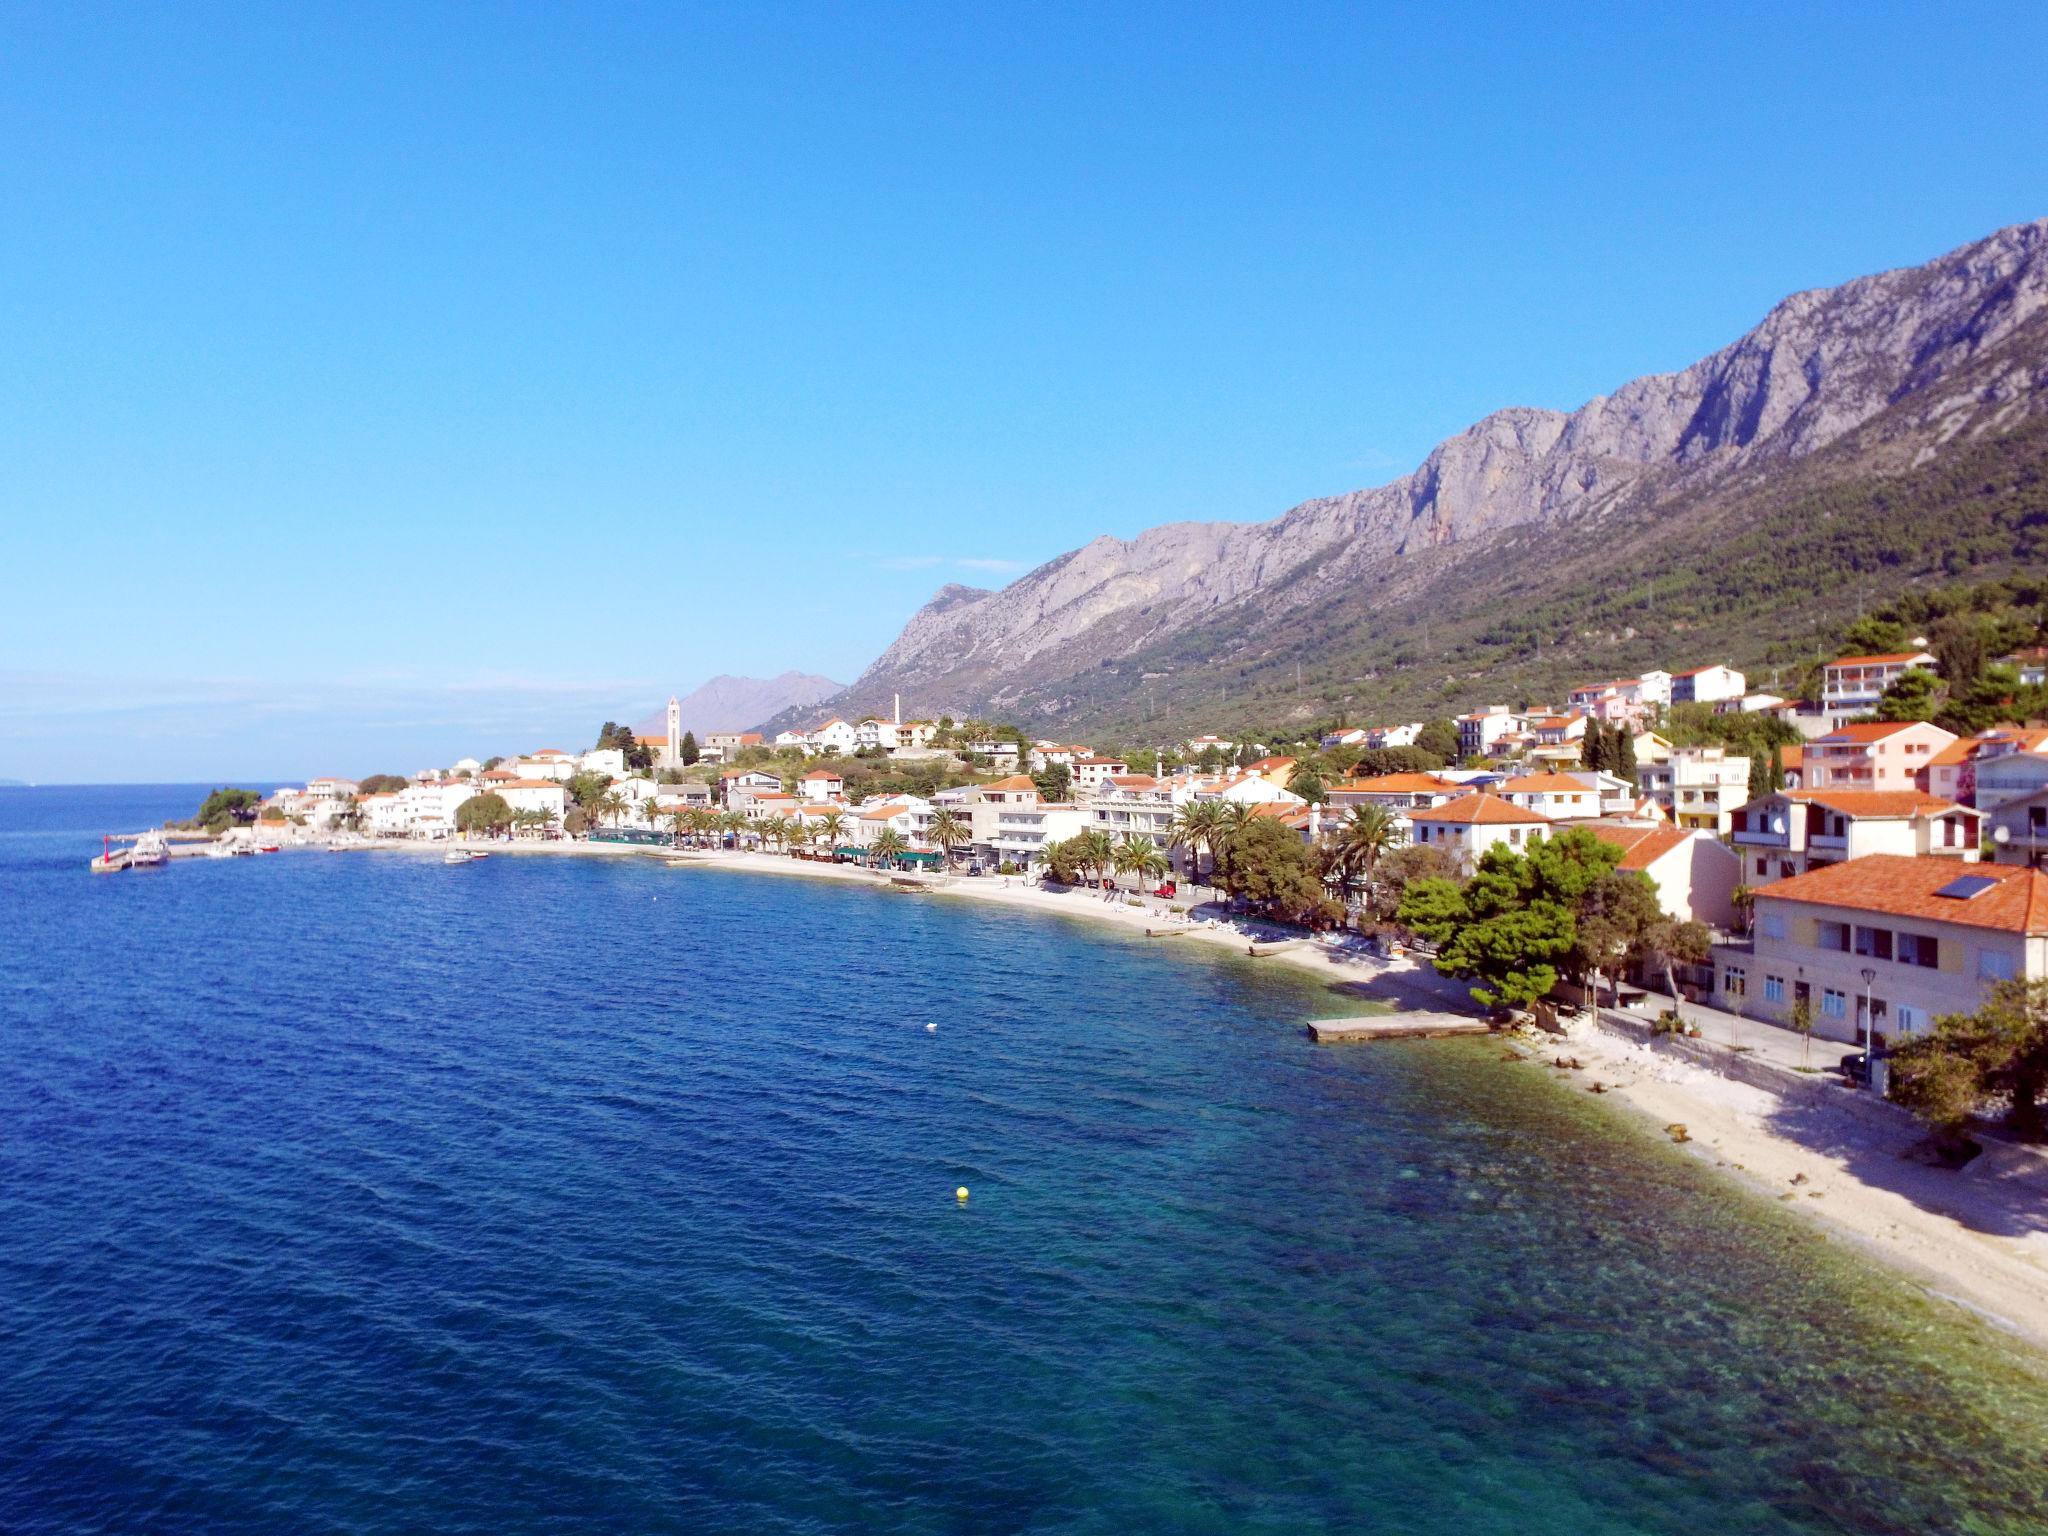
[1396, 1026]
[1275, 946]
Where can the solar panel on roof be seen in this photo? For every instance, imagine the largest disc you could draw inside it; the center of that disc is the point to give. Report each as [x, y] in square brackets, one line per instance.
[1963, 888]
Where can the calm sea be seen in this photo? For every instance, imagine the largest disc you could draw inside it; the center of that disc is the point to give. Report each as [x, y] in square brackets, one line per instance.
[366, 1194]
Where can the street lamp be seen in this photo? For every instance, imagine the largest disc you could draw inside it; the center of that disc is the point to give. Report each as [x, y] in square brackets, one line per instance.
[1869, 1024]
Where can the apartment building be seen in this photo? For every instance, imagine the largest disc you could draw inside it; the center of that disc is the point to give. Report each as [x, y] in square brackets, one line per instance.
[1894, 755]
[1792, 831]
[1888, 941]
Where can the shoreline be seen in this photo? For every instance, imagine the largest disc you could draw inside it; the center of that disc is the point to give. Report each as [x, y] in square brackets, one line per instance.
[1976, 1237]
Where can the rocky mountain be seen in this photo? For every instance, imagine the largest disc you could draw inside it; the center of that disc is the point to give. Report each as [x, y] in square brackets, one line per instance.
[740, 703]
[1878, 382]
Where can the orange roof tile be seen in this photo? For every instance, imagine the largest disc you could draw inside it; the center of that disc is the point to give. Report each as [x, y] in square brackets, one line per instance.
[1480, 808]
[1641, 846]
[1396, 784]
[1879, 803]
[1872, 730]
[1877, 661]
[2015, 902]
[1544, 784]
[1013, 783]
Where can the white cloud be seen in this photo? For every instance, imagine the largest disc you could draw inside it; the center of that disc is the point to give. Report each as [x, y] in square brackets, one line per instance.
[932, 562]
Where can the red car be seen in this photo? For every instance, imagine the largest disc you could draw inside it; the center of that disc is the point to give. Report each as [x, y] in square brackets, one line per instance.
[1168, 889]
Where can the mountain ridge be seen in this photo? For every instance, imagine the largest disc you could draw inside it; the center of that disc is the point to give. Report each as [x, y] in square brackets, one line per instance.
[1821, 367]
[729, 703]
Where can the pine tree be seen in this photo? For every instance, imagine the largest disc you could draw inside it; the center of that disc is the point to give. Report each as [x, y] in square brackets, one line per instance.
[688, 748]
[1625, 759]
[1593, 750]
[1776, 781]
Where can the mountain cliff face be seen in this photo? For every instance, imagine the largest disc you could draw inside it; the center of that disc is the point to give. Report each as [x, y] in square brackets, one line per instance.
[1904, 365]
[737, 703]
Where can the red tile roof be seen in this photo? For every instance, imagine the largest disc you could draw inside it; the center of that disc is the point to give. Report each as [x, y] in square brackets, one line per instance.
[1544, 784]
[1877, 661]
[1883, 804]
[1642, 846]
[1013, 783]
[1480, 809]
[1397, 784]
[1872, 730]
[2015, 902]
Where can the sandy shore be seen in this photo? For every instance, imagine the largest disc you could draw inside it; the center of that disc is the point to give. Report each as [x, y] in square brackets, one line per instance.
[1977, 1237]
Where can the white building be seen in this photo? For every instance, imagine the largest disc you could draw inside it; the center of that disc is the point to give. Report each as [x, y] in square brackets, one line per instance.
[1854, 684]
[1707, 685]
[609, 761]
[1697, 787]
[819, 785]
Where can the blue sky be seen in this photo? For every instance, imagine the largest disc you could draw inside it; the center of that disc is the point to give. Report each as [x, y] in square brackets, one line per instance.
[380, 385]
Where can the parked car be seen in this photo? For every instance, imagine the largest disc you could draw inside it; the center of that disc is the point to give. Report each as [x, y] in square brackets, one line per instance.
[1167, 888]
[974, 868]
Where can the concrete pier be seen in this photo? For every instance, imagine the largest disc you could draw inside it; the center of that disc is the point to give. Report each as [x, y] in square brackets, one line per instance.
[1396, 1026]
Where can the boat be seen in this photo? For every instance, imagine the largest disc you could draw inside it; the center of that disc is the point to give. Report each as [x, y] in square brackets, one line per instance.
[220, 850]
[478, 853]
[268, 848]
[454, 856]
[149, 850]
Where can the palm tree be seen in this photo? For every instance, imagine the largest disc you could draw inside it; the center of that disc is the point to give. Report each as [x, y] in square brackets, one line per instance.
[679, 822]
[1194, 829]
[890, 846]
[611, 805]
[736, 824]
[1232, 817]
[946, 833]
[1094, 851]
[1361, 840]
[830, 825]
[1138, 855]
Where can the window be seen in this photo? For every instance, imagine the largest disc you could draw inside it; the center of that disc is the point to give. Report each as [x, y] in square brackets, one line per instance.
[1911, 1020]
[1876, 943]
[1763, 866]
[1834, 936]
[1772, 926]
[1919, 949]
[1994, 965]
[1734, 981]
[1774, 989]
[1833, 1004]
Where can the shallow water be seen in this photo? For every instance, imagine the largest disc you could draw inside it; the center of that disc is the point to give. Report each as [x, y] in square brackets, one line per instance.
[369, 1194]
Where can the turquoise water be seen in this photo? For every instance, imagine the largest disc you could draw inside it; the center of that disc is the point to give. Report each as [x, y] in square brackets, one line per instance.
[368, 1194]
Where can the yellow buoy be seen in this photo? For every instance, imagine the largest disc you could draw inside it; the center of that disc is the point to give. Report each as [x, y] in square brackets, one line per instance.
[960, 1194]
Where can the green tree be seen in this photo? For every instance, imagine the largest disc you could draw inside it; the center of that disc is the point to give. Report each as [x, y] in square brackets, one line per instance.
[1193, 829]
[382, 784]
[687, 748]
[1271, 868]
[587, 788]
[1055, 781]
[1625, 754]
[1912, 696]
[1138, 855]
[1306, 782]
[1614, 917]
[889, 847]
[1671, 942]
[1360, 841]
[1094, 852]
[483, 813]
[1439, 738]
[225, 808]
[2000, 1050]
[947, 832]
[1874, 636]
[1593, 748]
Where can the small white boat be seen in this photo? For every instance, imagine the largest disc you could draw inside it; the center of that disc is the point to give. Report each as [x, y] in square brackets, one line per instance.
[149, 849]
[454, 856]
[478, 853]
